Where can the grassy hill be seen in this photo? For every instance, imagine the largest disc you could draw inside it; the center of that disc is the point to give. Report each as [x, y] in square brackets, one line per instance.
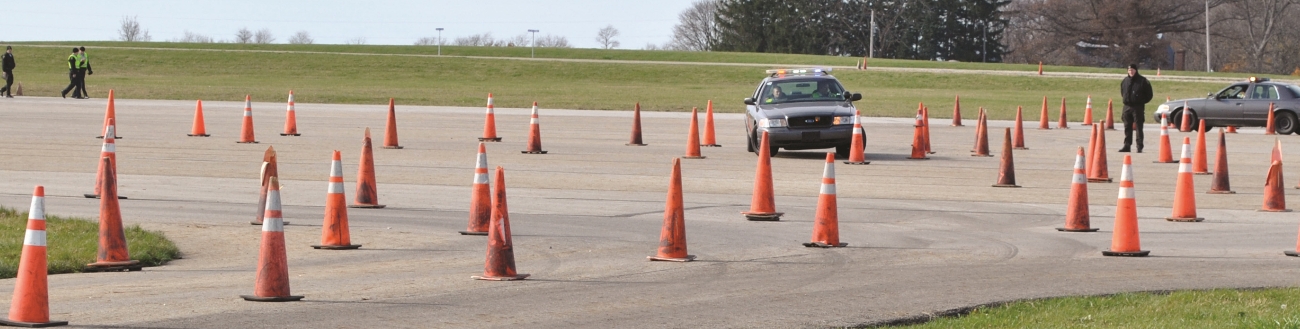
[414, 75]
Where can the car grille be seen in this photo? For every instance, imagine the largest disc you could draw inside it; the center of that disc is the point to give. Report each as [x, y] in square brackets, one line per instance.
[810, 121]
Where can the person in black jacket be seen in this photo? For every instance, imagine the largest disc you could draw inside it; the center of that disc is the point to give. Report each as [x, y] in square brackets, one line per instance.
[1136, 92]
[73, 84]
[8, 66]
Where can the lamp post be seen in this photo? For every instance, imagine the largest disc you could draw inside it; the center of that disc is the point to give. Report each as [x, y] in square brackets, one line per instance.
[534, 51]
[439, 41]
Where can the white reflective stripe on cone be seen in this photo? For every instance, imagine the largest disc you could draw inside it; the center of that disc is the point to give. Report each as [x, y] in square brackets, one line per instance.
[1126, 193]
[480, 178]
[34, 238]
[273, 224]
[109, 147]
[38, 208]
[828, 189]
[1079, 179]
[336, 188]
[336, 168]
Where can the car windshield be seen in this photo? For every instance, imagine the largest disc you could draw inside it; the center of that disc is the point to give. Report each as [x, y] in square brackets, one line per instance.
[807, 90]
[1233, 92]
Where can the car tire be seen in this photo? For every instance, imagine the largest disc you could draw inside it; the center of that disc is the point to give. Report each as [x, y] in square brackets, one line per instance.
[749, 142]
[842, 151]
[1178, 120]
[1284, 123]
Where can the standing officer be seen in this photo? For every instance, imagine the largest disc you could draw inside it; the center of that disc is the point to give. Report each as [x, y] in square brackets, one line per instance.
[83, 69]
[72, 75]
[8, 66]
[1136, 92]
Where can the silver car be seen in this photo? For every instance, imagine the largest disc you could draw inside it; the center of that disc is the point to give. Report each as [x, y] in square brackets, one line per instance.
[1242, 104]
[801, 109]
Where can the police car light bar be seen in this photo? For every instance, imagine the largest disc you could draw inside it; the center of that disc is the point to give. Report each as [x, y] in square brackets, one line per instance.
[816, 71]
[1257, 79]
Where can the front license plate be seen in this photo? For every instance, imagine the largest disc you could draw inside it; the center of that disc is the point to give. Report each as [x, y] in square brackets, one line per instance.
[812, 136]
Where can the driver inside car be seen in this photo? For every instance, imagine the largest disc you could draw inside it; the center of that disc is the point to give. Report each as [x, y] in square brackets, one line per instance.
[777, 95]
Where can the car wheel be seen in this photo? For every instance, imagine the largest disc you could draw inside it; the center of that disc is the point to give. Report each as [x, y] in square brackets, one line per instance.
[1284, 123]
[842, 151]
[1191, 119]
[750, 141]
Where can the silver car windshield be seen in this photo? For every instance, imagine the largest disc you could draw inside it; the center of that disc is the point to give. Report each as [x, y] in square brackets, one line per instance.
[809, 90]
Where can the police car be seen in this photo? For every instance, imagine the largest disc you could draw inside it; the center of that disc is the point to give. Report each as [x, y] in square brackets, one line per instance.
[1241, 104]
[801, 109]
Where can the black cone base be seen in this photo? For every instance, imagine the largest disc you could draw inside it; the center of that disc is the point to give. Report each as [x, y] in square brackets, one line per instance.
[670, 259]
[252, 298]
[858, 163]
[371, 206]
[1291, 253]
[630, 144]
[96, 196]
[823, 245]
[533, 152]
[193, 135]
[341, 247]
[1062, 229]
[473, 233]
[1175, 219]
[12, 323]
[395, 147]
[1139, 253]
[520, 276]
[485, 139]
[763, 217]
[290, 134]
[131, 265]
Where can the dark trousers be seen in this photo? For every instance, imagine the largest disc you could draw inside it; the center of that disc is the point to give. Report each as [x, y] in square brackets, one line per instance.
[1134, 117]
[81, 82]
[74, 84]
[9, 81]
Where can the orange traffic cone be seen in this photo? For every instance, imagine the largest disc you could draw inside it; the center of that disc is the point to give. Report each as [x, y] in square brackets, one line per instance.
[367, 191]
[269, 169]
[857, 154]
[1166, 155]
[1277, 150]
[918, 140]
[1042, 121]
[490, 124]
[1062, 122]
[826, 223]
[1200, 165]
[925, 120]
[1040, 68]
[1268, 127]
[290, 119]
[982, 142]
[1221, 184]
[200, 129]
[1157, 71]
[1091, 151]
[1100, 171]
[763, 205]
[1087, 112]
[979, 123]
[1110, 114]
[1186, 124]
[109, 150]
[709, 140]
[1018, 141]
[1184, 195]
[1077, 218]
[110, 113]
[1232, 129]
[636, 127]
[112, 255]
[500, 263]
[31, 301]
[272, 283]
[1274, 195]
[693, 137]
[480, 200]
[672, 239]
[246, 130]
[334, 233]
[956, 112]
[1124, 240]
[1007, 175]
[390, 128]
[535, 134]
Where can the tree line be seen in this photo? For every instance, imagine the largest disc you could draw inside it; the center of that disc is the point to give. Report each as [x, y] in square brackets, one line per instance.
[1244, 35]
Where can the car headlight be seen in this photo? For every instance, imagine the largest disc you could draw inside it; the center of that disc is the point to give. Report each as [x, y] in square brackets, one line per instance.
[1163, 108]
[844, 120]
[772, 123]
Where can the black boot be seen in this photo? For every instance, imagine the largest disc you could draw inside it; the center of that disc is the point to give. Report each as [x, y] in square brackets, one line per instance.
[1125, 149]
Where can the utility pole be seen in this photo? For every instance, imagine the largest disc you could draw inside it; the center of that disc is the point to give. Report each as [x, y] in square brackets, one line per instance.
[871, 42]
[1208, 68]
[439, 41]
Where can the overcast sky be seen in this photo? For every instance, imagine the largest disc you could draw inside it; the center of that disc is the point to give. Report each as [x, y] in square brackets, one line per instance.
[330, 21]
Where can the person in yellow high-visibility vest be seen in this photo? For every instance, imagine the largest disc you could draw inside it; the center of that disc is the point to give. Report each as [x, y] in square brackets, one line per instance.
[83, 69]
[73, 80]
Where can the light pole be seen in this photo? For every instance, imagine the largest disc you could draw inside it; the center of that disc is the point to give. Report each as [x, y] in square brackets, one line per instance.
[534, 52]
[439, 41]
[1208, 68]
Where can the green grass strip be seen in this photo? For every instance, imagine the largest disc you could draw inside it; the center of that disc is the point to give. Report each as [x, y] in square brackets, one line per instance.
[73, 242]
[1219, 308]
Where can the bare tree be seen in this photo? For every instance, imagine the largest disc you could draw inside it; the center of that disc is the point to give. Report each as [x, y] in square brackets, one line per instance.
[243, 35]
[130, 30]
[696, 29]
[301, 38]
[427, 41]
[356, 41]
[479, 40]
[192, 37]
[521, 40]
[1112, 32]
[1255, 25]
[553, 41]
[606, 37]
[263, 36]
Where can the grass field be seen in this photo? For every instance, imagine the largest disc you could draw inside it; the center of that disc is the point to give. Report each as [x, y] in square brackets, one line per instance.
[327, 75]
[1222, 308]
[72, 243]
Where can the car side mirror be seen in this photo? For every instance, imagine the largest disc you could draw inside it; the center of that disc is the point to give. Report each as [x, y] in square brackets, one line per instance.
[749, 101]
[855, 97]
[1209, 95]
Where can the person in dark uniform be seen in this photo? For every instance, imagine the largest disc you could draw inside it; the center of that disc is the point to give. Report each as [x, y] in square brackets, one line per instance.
[73, 82]
[83, 69]
[1136, 93]
[8, 66]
